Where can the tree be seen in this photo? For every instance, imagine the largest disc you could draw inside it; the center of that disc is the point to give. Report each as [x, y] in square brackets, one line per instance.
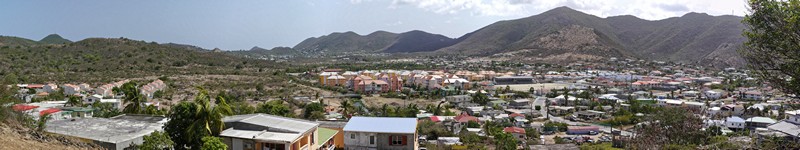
[74, 101]
[275, 108]
[772, 48]
[345, 106]
[190, 122]
[42, 123]
[385, 110]
[669, 127]
[157, 141]
[208, 117]
[180, 117]
[213, 143]
[480, 98]
[104, 110]
[240, 108]
[505, 141]
[311, 108]
[133, 99]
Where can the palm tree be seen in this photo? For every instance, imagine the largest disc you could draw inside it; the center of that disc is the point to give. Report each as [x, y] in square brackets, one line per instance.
[385, 109]
[74, 101]
[133, 99]
[346, 104]
[209, 119]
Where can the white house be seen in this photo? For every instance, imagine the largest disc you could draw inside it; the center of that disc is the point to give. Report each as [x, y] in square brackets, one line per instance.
[712, 94]
[735, 123]
[381, 133]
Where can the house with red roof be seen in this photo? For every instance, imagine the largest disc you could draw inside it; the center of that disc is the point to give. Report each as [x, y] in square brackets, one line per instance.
[460, 121]
[517, 132]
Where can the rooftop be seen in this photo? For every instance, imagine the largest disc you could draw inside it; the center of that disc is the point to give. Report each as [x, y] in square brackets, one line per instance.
[103, 129]
[382, 125]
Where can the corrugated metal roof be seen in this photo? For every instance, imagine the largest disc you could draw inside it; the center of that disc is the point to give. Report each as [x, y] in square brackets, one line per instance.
[786, 127]
[382, 125]
[289, 124]
[261, 135]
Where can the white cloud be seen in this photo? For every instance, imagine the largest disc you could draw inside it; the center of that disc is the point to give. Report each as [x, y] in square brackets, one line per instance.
[647, 9]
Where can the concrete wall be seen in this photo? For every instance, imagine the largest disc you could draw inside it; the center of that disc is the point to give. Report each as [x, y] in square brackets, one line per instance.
[361, 141]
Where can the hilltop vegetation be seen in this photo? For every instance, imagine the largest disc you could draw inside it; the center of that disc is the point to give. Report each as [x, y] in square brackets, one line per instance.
[102, 60]
[54, 39]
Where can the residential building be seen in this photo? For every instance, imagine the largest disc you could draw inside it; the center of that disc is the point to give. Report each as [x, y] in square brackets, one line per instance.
[456, 99]
[759, 122]
[582, 129]
[384, 133]
[789, 126]
[735, 123]
[262, 131]
[520, 104]
[513, 80]
[517, 132]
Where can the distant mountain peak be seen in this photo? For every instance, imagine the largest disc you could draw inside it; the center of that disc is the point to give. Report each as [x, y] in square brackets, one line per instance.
[54, 39]
[256, 48]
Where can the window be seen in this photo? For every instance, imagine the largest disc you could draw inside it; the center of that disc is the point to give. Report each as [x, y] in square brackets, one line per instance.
[372, 139]
[396, 140]
[248, 145]
[352, 136]
[269, 146]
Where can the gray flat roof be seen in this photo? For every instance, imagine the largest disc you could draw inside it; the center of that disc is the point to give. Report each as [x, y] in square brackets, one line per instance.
[382, 125]
[103, 129]
[274, 122]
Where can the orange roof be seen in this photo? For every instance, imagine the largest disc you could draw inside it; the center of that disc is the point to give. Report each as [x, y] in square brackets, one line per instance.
[49, 111]
[464, 117]
[36, 86]
[516, 115]
[23, 107]
[514, 130]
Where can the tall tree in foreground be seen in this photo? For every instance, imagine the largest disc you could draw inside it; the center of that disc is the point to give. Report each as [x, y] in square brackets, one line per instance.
[133, 99]
[772, 48]
[210, 117]
[189, 122]
[180, 117]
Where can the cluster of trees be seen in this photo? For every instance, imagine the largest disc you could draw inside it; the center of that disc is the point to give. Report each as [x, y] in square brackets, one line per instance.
[190, 123]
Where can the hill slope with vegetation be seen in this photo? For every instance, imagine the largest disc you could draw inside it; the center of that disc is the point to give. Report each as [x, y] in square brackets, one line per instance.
[105, 59]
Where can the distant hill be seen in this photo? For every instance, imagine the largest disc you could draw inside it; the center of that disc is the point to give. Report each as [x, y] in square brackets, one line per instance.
[418, 41]
[563, 35]
[16, 41]
[347, 42]
[185, 46]
[377, 42]
[104, 59]
[54, 39]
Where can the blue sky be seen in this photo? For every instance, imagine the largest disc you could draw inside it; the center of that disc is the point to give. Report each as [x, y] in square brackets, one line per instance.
[242, 24]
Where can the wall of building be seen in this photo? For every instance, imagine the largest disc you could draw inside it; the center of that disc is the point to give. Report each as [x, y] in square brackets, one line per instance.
[361, 141]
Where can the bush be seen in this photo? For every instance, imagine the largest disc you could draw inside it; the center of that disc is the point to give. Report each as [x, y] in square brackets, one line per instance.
[213, 143]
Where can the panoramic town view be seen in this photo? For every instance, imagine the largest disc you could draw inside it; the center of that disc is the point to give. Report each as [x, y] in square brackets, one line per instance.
[400, 75]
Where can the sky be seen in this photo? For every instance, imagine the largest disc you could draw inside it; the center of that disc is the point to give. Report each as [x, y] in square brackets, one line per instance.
[242, 24]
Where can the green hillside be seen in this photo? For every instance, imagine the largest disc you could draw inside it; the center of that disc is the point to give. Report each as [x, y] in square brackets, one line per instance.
[102, 60]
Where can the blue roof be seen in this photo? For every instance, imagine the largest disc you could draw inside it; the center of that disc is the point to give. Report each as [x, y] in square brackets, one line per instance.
[382, 125]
